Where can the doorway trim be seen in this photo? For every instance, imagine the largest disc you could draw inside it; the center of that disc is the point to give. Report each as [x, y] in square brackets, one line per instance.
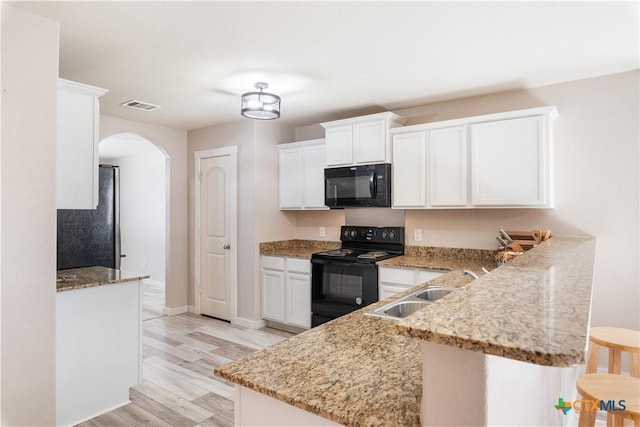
[232, 152]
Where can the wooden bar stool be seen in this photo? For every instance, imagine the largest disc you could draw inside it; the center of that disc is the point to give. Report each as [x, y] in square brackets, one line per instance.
[610, 387]
[616, 340]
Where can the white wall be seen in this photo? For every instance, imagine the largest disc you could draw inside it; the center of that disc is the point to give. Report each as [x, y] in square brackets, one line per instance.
[28, 219]
[173, 143]
[142, 209]
[596, 184]
[258, 216]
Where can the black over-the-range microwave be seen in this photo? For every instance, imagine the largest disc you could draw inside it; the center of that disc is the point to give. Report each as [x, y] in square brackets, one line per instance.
[363, 185]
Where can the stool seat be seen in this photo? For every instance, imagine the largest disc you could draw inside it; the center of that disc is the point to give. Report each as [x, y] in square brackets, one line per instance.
[616, 340]
[609, 387]
[623, 339]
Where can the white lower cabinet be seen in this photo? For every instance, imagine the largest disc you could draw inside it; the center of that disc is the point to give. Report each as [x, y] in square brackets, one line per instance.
[286, 290]
[393, 280]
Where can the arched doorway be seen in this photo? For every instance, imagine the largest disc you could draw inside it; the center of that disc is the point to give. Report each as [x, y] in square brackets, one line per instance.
[143, 212]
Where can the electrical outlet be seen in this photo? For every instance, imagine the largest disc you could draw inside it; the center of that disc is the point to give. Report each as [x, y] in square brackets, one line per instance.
[322, 232]
[417, 235]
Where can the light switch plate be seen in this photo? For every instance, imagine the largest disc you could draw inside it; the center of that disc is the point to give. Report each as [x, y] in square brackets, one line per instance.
[417, 235]
[322, 232]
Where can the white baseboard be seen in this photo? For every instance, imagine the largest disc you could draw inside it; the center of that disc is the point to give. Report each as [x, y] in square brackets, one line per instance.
[248, 323]
[193, 309]
[172, 311]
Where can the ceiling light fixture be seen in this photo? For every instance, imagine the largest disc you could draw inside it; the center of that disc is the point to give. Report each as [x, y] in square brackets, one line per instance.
[260, 105]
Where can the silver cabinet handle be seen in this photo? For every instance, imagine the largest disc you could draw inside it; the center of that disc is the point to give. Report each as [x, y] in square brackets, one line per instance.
[227, 246]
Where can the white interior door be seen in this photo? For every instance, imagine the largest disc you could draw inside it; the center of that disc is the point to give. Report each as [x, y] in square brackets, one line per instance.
[215, 249]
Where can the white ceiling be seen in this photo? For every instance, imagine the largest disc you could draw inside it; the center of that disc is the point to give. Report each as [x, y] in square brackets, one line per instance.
[327, 59]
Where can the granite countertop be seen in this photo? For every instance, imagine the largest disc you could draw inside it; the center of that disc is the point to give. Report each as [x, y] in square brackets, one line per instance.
[87, 277]
[297, 248]
[534, 309]
[366, 371]
[355, 370]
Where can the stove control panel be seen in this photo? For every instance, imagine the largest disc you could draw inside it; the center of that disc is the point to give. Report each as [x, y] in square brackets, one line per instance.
[372, 234]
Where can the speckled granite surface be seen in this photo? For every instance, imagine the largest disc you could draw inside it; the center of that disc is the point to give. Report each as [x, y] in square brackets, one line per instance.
[356, 370]
[438, 262]
[87, 277]
[535, 308]
[297, 248]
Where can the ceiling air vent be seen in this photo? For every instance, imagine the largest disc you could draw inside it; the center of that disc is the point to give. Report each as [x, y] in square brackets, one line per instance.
[139, 105]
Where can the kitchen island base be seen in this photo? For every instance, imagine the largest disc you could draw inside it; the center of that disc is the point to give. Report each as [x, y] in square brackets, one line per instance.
[474, 389]
[98, 349]
[256, 409]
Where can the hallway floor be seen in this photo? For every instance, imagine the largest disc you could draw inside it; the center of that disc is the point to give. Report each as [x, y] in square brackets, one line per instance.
[178, 387]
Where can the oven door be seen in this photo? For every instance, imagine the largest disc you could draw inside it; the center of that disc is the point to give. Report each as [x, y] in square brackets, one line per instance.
[339, 287]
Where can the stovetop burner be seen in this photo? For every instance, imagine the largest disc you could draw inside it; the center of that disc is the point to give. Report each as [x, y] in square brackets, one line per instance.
[366, 244]
[337, 252]
[373, 255]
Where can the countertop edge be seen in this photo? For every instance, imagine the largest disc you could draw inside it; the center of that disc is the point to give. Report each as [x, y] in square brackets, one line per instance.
[547, 255]
[89, 277]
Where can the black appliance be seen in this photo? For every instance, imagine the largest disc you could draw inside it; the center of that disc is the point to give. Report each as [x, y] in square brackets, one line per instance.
[91, 237]
[346, 279]
[364, 185]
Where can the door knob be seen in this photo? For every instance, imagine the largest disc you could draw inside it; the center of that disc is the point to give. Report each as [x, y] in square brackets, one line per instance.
[227, 246]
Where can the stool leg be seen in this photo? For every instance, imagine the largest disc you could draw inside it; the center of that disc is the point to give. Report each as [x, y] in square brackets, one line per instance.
[617, 420]
[635, 365]
[593, 358]
[587, 418]
[615, 356]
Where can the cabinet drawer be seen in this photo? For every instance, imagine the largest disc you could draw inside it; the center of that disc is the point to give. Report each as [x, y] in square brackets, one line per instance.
[426, 275]
[298, 265]
[401, 276]
[272, 262]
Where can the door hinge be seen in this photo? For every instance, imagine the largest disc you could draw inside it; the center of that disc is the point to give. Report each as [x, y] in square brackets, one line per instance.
[200, 176]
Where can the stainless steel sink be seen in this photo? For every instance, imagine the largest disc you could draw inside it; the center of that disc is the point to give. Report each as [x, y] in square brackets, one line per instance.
[434, 293]
[404, 308]
[409, 304]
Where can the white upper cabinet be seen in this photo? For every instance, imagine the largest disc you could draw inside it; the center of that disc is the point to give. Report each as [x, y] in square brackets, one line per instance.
[301, 174]
[409, 170]
[77, 145]
[340, 150]
[447, 167]
[360, 140]
[313, 163]
[510, 163]
[500, 160]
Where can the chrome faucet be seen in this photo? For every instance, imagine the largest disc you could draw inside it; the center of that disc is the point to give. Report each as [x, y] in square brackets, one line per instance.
[471, 273]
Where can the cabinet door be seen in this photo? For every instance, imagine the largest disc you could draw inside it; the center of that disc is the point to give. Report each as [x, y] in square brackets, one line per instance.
[509, 163]
[339, 142]
[299, 300]
[447, 167]
[409, 170]
[313, 164]
[369, 142]
[290, 178]
[77, 149]
[273, 297]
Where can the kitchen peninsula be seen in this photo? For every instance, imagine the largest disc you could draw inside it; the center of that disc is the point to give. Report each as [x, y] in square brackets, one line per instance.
[532, 313]
[98, 332]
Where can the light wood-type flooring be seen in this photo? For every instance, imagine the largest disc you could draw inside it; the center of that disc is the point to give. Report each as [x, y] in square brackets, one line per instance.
[178, 387]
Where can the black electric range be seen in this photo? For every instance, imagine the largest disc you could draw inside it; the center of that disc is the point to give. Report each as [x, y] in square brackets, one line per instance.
[346, 279]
